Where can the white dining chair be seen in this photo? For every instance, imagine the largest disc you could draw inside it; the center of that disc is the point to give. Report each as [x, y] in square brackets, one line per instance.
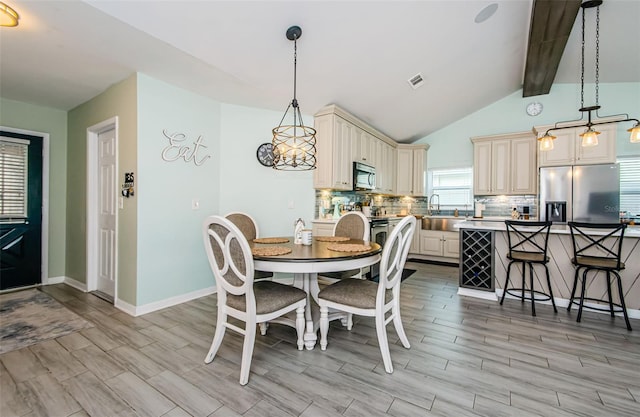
[353, 225]
[367, 298]
[239, 297]
[249, 228]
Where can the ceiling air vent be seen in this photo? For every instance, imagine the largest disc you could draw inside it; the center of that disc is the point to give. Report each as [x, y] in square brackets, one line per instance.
[416, 81]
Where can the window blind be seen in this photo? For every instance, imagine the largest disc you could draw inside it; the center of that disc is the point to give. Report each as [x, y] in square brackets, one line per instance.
[630, 185]
[13, 177]
[453, 186]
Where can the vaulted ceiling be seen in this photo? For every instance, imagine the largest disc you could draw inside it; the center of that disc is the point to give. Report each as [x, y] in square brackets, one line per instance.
[357, 54]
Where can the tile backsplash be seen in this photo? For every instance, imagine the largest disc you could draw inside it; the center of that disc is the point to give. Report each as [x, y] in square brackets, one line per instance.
[495, 206]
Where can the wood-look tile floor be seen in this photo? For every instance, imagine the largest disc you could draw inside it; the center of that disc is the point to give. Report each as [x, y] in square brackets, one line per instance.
[468, 357]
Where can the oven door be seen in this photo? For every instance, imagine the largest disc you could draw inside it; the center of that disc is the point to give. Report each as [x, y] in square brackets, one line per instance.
[379, 232]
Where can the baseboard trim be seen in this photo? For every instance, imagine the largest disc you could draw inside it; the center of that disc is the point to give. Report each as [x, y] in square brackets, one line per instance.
[55, 280]
[159, 305]
[82, 286]
[486, 295]
[563, 302]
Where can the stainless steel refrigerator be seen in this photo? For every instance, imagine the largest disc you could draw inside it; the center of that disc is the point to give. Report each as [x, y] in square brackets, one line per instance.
[586, 193]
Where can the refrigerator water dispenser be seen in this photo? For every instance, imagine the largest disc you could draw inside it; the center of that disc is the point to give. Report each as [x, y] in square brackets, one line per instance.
[556, 211]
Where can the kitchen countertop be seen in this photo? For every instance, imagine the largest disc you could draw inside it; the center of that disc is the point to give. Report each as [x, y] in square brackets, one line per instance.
[632, 231]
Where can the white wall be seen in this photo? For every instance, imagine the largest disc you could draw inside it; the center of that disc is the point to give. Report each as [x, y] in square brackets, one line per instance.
[246, 185]
[451, 147]
[171, 256]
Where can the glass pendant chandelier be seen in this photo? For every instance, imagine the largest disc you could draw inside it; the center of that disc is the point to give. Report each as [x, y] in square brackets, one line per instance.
[590, 135]
[294, 145]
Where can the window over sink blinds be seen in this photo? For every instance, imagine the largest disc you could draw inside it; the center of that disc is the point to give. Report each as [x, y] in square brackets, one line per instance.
[453, 186]
[630, 185]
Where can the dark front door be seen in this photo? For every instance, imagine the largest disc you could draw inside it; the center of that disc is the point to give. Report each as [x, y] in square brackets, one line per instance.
[20, 210]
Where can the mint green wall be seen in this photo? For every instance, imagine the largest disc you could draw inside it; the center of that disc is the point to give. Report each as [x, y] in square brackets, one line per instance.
[25, 116]
[171, 256]
[451, 147]
[247, 186]
[119, 100]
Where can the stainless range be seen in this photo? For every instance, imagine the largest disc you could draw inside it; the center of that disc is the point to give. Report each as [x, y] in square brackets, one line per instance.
[379, 232]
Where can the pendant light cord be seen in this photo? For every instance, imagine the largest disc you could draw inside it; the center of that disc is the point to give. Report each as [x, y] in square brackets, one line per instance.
[582, 66]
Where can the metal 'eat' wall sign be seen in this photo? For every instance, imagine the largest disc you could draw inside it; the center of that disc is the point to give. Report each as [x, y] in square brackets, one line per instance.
[179, 148]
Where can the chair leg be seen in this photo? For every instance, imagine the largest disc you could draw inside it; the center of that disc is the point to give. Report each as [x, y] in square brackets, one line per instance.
[300, 325]
[506, 283]
[381, 330]
[324, 326]
[263, 328]
[622, 304]
[397, 323]
[247, 350]
[553, 301]
[217, 337]
[584, 288]
[533, 294]
[613, 314]
[524, 270]
[349, 321]
[575, 286]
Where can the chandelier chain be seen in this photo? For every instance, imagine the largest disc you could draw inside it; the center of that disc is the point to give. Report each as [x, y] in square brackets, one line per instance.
[597, 54]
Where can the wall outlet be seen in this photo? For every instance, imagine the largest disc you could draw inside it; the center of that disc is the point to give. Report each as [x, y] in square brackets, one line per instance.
[195, 204]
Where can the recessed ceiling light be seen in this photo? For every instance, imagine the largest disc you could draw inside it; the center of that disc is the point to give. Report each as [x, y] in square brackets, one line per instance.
[486, 13]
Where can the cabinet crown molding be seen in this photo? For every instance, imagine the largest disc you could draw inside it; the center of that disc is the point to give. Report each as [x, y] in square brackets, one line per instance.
[516, 135]
[342, 113]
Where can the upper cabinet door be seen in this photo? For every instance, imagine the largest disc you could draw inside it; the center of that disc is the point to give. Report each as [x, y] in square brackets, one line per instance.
[523, 166]
[500, 166]
[482, 168]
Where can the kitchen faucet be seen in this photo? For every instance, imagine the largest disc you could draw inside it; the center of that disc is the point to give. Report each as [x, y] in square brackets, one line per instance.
[431, 204]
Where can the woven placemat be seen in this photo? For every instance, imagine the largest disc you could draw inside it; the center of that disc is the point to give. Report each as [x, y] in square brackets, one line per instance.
[271, 240]
[270, 251]
[331, 238]
[348, 247]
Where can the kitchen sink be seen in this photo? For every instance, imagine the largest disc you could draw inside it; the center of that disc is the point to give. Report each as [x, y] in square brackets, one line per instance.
[441, 223]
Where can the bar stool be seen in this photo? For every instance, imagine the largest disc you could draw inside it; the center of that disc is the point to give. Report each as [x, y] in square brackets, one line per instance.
[598, 249]
[528, 245]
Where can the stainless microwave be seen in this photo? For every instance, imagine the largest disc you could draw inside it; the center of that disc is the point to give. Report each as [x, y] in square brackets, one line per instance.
[364, 177]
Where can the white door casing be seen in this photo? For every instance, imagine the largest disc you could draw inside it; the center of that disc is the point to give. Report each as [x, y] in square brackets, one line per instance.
[102, 242]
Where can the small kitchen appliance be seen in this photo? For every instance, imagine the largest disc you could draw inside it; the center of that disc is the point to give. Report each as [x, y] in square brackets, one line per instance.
[364, 177]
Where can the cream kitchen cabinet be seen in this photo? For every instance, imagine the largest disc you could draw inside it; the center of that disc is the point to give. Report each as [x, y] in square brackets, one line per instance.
[415, 242]
[440, 243]
[386, 168]
[333, 153]
[323, 228]
[411, 176]
[504, 164]
[568, 149]
[341, 140]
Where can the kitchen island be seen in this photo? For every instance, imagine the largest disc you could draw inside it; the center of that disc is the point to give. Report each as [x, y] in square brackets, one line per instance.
[561, 269]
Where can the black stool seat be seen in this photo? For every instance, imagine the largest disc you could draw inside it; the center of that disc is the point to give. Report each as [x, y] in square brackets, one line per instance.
[528, 243]
[600, 252]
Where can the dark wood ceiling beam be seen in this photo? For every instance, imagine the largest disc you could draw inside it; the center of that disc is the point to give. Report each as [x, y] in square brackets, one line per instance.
[551, 23]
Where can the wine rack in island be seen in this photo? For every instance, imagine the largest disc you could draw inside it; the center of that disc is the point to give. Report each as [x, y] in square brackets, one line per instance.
[476, 259]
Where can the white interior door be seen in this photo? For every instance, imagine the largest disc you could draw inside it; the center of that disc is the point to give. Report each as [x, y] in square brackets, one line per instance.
[106, 212]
